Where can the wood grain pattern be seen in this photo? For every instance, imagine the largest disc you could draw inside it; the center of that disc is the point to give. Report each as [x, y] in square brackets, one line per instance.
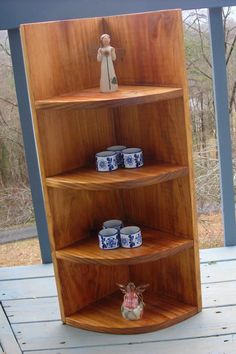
[78, 213]
[155, 245]
[160, 312]
[162, 207]
[83, 284]
[89, 179]
[93, 98]
[70, 139]
[60, 59]
[169, 276]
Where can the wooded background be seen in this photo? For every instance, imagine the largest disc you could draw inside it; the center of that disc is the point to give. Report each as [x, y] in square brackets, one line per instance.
[15, 198]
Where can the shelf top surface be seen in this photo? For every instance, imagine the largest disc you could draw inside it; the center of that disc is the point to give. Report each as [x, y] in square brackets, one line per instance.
[93, 98]
[90, 179]
[104, 315]
[156, 245]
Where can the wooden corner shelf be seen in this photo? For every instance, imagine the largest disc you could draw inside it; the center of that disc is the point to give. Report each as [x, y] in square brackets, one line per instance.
[90, 179]
[104, 315]
[126, 95]
[72, 121]
[156, 245]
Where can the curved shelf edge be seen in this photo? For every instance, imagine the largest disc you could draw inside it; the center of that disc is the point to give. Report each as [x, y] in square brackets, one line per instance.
[156, 245]
[93, 98]
[89, 179]
[104, 315]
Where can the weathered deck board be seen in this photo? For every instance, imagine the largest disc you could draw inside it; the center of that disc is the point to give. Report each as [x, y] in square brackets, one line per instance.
[7, 340]
[25, 272]
[219, 294]
[36, 271]
[218, 254]
[27, 288]
[32, 307]
[218, 272]
[214, 345]
[210, 322]
[214, 294]
[32, 310]
[46, 308]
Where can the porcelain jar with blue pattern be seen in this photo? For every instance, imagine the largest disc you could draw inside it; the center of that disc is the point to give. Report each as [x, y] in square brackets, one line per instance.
[131, 237]
[133, 157]
[114, 223]
[109, 239]
[106, 161]
[119, 156]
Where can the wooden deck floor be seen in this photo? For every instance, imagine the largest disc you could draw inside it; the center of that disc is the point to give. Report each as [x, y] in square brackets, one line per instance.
[32, 326]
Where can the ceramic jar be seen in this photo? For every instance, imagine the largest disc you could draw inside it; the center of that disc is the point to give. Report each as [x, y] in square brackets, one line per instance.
[132, 314]
[130, 237]
[119, 156]
[116, 224]
[106, 161]
[109, 239]
[133, 157]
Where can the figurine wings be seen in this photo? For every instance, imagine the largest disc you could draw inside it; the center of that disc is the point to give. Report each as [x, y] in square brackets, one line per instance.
[131, 287]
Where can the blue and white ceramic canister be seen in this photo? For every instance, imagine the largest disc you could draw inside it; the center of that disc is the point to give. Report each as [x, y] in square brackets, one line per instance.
[131, 237]
[119, 156]
[109, 239]
[113, 223]
[106, 161]
[133, 157]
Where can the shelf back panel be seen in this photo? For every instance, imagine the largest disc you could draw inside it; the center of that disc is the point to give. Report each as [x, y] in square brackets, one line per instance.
[62, 55]
[70, 139]
[78, 214]
[83, 284]
[174, 276]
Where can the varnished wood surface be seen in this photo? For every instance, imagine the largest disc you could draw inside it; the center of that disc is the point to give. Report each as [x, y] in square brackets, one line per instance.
[89, 179]
[156, 245]
[60, 58]
[83, 284]
[93, 98]
[105, 316]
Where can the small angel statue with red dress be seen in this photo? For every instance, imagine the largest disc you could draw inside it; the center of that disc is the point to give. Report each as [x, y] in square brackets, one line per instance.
[132, 306]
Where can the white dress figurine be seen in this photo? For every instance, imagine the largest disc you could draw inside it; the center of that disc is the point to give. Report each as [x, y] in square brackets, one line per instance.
[106, 55]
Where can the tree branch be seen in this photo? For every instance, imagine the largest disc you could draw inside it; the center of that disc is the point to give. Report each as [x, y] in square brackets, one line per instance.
[231, 50]
[232, 98]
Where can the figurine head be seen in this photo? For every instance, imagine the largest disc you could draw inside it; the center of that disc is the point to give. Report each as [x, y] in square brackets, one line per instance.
[105, 39]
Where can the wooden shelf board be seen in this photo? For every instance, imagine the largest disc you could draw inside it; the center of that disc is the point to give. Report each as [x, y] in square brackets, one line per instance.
[105, 316]
[156, 245]
[93, 98]
[89, 179]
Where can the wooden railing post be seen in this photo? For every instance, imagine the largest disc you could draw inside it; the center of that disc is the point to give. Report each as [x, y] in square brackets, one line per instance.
[29, 144]
[223, 123]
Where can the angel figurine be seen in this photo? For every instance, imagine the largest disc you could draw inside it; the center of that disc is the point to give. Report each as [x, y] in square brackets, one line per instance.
[132, 306]
[106, 55]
